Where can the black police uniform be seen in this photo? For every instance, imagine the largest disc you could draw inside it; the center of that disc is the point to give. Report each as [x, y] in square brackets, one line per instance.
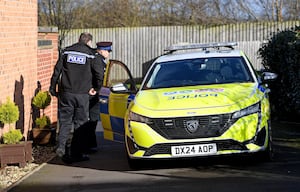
[73, 72]
[94, 107]
[94, 113]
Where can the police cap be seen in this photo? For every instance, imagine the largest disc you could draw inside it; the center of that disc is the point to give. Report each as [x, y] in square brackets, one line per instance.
[104, 45]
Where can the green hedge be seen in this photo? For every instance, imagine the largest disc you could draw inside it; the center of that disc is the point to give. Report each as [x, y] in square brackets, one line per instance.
[281, 54]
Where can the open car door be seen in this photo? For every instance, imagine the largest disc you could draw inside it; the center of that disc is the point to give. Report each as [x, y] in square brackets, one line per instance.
[113, 106]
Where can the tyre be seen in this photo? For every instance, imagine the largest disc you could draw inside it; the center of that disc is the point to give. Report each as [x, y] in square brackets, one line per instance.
[134, 164]
[268, 154]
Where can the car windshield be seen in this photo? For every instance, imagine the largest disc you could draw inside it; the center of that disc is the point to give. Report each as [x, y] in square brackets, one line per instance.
[199, 71]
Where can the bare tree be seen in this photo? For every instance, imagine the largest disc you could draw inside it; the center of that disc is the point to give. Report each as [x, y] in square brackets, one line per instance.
[59, 13]
[278, 9]
[291, 10]
[270, 10]
[68, 14]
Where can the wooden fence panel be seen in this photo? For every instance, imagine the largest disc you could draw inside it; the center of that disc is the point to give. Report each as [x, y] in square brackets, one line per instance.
[137, 45]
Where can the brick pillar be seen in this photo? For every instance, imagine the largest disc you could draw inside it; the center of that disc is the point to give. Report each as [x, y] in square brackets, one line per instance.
[47, 57]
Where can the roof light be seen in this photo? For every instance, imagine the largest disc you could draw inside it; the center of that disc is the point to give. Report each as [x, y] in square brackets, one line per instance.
[201, 46]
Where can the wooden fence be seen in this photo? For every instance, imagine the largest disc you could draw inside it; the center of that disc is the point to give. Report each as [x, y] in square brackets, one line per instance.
[137, 45]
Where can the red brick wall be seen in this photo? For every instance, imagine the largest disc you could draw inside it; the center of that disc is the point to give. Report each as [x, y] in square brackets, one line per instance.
[18, 55]
[47, 57]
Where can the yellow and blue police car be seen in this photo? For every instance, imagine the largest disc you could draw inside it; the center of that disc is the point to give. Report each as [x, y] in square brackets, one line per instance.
[195, 100]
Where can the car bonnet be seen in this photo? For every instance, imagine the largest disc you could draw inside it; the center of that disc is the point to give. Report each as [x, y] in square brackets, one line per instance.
[223, 98]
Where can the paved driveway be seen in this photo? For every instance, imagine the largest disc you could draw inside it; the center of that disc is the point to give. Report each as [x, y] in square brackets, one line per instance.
[108, 171]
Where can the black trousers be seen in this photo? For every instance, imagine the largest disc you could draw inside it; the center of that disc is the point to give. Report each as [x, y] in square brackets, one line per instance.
[73, 112]
[84, 137]
[94, 115]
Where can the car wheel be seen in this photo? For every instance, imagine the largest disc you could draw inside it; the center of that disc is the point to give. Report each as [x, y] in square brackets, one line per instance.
[134, 164]
[268, 154]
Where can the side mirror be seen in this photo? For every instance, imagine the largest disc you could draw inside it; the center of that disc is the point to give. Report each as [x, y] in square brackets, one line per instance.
[268, 77]
[120, 88]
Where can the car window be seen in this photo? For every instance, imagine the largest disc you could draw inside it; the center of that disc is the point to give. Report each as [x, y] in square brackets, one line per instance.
[199, 71]
[118, 74]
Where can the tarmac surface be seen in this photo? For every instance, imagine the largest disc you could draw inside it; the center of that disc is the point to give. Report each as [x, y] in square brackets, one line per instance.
[107, 170]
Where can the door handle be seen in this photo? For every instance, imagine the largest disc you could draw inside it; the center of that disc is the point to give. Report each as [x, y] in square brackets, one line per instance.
[103, 101]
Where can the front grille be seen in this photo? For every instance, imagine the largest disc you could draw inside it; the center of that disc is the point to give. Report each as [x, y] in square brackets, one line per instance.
[165, 148]
[192, 127]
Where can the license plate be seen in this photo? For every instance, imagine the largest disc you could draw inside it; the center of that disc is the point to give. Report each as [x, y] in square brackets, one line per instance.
[194, 150]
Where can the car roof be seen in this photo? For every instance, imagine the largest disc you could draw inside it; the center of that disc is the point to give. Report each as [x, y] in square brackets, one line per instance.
[199, 54]
[191, 51]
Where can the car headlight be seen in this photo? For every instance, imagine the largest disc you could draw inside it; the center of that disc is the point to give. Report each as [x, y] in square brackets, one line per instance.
[139, 118]
[247, 111]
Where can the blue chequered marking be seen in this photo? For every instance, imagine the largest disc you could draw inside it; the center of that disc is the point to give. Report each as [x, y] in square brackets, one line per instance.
[130, 98]
[103, 106]
[117, 124]
[103, 142]
[261, 88]
[119, 137]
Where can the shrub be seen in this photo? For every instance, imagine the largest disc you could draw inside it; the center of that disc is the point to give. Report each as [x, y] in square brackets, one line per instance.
[41, 101]
[9, 112]
[13, 136]
[43, 122]
[282, 55]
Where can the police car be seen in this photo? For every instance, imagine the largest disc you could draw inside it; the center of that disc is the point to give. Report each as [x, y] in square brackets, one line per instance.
[195, 100]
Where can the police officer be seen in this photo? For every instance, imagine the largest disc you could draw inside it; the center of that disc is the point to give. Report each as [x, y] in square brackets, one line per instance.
[73, 72]
[103, 50]
[102, 54]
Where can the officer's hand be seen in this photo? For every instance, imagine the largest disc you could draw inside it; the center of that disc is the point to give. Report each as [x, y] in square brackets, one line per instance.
[53, 92]
[92, 91]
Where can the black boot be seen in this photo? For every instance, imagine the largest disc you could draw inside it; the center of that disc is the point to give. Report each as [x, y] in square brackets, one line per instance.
[70, 157]
[67, 158]
[79, 158]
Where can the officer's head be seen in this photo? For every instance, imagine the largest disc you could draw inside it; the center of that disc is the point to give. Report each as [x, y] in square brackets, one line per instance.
[86, 38]
[104, 48]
